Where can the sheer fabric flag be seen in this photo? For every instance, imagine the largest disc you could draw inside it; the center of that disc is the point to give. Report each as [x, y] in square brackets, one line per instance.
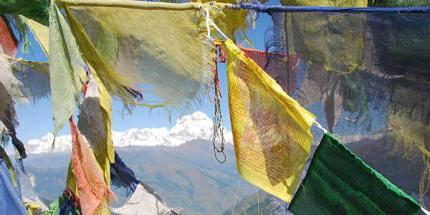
[93, 192]
[281, 67]
[33, 78]
[66, 69]
[10, 200]
[147, 46]
[386, 98]
[271, 131]
[143, 202]
[122, 175]
[7, 39]
[339, 182]
[324, 38]
[5, 158]
[394, 50]
[10, 90]
[95, 124]
[41, 33]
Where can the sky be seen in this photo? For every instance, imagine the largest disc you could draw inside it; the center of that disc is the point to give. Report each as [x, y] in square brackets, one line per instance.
[35, 119]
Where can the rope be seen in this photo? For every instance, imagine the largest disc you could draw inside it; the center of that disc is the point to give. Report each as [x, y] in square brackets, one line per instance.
[426, 212]
[209, 22]
[320, 127]
[280, 8]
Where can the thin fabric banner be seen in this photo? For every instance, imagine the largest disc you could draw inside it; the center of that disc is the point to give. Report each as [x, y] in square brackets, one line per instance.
[366, 76]
[271, 130]
[280, 66]
[137, 45]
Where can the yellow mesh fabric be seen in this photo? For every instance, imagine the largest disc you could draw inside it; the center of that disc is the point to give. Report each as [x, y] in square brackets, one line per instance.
[327, 38]
[156, 47]
[271, 130]
[41, 34]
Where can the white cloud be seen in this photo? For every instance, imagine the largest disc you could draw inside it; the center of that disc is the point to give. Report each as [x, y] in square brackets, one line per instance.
[190, 127]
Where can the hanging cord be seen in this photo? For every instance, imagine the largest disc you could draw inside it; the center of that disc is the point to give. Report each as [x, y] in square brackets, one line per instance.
[218, 126]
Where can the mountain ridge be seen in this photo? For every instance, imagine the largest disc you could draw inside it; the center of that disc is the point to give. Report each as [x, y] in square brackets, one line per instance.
[186, 176]
[187, 128]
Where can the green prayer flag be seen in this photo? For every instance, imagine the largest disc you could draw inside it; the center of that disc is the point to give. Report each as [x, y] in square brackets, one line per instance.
[338, 182]
[66, 69]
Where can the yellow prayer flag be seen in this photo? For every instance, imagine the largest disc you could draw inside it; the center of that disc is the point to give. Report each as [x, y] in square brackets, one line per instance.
[271, 131]
[41, 33]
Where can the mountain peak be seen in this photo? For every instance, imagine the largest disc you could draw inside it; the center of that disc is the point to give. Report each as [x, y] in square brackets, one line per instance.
[188, 127]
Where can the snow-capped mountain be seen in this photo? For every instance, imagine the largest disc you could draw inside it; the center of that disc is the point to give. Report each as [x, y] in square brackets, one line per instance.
[189, 127]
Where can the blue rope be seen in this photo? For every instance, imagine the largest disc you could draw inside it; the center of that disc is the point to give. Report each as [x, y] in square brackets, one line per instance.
[280, 8]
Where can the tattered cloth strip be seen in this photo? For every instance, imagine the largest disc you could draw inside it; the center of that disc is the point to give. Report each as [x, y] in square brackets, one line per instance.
[65, 204]
[10, 200]
[281, 67]
[122, 175]
[9, 85]
[7, 39]
[34, 9]
[142, 202]
[271, 131]
[20, 81]
[146, 45]
[338, 182]
[93, 193]
[9, 165]
[66, 69]
[33, 78]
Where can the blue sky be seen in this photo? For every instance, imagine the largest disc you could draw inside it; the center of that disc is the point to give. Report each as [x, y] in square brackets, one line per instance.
[36, 119]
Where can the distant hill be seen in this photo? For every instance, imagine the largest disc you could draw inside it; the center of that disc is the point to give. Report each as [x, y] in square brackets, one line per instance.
[186, 176]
